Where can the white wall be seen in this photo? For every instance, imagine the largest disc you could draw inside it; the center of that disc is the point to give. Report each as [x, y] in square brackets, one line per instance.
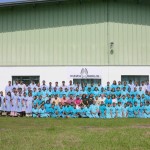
[63, 73]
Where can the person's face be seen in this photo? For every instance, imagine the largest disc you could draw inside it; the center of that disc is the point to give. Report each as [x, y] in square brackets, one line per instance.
[114, 104]
[9, 83]
[50, 83]
[71, 96]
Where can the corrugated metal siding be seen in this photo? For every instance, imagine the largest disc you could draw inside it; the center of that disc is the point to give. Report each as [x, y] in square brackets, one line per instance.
[129, 29]
[65, 34]
[75, 34]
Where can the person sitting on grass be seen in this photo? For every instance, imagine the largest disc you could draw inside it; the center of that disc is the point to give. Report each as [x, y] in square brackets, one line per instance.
[35, 112]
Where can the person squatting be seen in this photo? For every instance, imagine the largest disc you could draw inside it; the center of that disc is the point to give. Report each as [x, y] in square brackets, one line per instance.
[116, 100]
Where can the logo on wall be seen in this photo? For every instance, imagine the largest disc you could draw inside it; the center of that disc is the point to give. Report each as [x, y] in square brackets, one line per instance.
[84, 74]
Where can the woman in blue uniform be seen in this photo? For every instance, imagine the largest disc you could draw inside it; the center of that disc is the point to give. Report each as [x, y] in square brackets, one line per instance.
[35, 112]
[102, 109]
[119, 110]
[130, 111]
[108, 111]
[42, 112]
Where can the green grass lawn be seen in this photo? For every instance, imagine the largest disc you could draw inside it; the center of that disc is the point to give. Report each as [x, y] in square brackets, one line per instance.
[89, 134]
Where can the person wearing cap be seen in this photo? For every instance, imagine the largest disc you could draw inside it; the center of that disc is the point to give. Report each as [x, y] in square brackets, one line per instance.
[119, 110]
[35, 111]
[113, 110]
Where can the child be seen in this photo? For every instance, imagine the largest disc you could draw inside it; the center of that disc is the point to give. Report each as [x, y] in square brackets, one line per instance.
[42, 112]
[35, 112]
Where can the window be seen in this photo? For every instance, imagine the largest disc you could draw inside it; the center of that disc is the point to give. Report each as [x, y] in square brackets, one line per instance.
[138, 78]
[88, 81]
[26, 79]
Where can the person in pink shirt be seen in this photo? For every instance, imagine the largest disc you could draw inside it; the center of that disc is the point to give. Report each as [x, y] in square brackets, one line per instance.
[70, 100]
[64, 99]
[77, 101]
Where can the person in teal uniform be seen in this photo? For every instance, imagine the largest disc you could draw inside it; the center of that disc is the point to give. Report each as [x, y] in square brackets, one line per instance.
[124, 100]
[66, 92]
[113, 110]
[108, 100]
[119, 110]
[124, 91]
[49, 92]
[130, 111]
[108, 111]
[71, 92]
[114, 85]
[96, 92]
[47, 106]
[147, 110]
[34, 92]
[39, 93]
[136, 110]
[52, 113]
[40, 101]
[42, 112]
[118, 92]
[143, 99]
[102, 109]
[74, 112]
[124, 110]
[83, 112]
[141, 111]
[55, 91]
[140, 91]
[83, 91]
[35, 112]
[89, 91]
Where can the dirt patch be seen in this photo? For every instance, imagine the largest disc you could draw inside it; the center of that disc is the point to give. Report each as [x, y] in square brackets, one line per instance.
[141, 126]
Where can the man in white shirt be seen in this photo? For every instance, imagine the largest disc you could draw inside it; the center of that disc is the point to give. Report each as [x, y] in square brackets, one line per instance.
[71, 85]
[8, 88]
[22, 86]
[44, 85]
[16, 85]
[63, 85]
[32, 85]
